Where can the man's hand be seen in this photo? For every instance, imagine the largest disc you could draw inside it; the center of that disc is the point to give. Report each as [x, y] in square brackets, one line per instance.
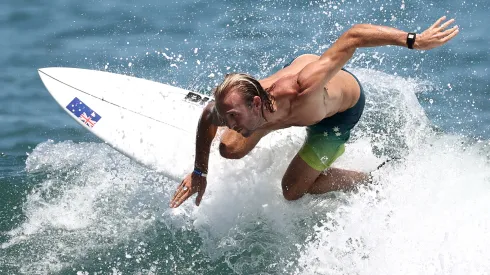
[436, 35]
[191, 184]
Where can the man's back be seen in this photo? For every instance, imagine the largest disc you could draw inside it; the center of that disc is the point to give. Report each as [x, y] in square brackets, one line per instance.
[295, 107]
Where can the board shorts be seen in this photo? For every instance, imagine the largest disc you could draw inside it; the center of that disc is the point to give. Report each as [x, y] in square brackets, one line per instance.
[325, 141]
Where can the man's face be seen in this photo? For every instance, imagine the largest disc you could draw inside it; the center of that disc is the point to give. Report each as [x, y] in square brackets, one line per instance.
[238, 115]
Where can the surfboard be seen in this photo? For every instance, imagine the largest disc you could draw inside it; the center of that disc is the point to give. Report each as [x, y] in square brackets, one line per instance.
[150, 122]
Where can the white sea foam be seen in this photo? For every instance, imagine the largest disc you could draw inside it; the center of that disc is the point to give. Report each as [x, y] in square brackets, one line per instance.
[428, 215]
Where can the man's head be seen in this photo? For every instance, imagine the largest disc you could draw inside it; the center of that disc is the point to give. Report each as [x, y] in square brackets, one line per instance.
[239, 101]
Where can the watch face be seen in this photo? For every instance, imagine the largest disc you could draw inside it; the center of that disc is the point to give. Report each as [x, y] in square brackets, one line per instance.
[411, 36]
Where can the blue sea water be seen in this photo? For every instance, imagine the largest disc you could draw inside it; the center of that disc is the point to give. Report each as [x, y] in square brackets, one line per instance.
[63, 214]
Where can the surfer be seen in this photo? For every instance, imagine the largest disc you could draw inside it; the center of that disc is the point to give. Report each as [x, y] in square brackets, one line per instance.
[313, 91]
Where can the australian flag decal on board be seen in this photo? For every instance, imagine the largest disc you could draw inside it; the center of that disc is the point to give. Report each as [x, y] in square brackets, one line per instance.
[83, 112]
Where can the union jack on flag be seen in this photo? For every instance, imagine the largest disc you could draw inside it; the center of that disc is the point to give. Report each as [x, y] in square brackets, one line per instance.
[83, 112]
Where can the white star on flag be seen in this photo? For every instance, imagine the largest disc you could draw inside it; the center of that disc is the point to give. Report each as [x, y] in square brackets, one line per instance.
[336, 129]
[325, 134]
[337, 134]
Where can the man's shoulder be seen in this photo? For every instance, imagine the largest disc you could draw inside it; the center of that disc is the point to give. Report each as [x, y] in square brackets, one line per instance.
[292, 67]
[298, 64]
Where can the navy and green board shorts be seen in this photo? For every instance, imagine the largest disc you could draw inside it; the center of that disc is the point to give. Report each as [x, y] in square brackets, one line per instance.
[325, 141]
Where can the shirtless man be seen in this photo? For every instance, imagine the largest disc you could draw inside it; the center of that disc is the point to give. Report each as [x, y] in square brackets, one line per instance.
[313, 91]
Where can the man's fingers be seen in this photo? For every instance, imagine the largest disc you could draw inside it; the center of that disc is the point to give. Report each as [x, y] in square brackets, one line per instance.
[180, 197]
[179, 194]
[449, 37]
[446, 24]
[438, 22]
[180, 200]
[178, 191]
[446, 32]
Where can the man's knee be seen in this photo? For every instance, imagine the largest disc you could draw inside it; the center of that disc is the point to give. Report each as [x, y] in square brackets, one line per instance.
[231, 152]
[290, 193]
[290, 196]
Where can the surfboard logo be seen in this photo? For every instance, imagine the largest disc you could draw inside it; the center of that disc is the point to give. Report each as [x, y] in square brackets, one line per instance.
[88, 116]
[197, 98]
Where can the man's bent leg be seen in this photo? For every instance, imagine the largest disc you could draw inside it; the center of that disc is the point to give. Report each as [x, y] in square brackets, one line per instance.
[235, 146]
[305, 173]
[335, 179]
[300, 179]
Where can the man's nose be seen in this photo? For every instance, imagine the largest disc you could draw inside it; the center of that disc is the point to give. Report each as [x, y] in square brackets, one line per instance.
[231, 124]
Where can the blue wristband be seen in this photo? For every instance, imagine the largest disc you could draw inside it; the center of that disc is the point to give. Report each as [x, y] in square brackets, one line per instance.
[199, 173]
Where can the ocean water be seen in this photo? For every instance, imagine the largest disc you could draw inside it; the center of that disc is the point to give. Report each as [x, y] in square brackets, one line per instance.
[70, 204]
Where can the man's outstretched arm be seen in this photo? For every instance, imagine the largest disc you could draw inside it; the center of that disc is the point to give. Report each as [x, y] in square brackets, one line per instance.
[318, 73]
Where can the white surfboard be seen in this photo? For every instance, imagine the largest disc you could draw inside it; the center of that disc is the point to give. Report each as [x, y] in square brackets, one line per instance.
[151, 122]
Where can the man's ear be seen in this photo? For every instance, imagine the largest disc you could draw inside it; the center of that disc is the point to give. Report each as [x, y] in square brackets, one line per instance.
[257, 102]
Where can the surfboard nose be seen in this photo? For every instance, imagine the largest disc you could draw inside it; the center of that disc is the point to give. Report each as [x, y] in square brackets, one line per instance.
[53, 72]
[46, 76]
[43, 72]
[52, 76]
[47, 70]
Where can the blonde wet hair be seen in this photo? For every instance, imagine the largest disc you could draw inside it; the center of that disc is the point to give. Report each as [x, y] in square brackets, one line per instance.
[247, 86]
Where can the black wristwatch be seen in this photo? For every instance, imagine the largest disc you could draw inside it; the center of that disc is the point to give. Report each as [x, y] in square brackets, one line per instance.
[411, 39]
